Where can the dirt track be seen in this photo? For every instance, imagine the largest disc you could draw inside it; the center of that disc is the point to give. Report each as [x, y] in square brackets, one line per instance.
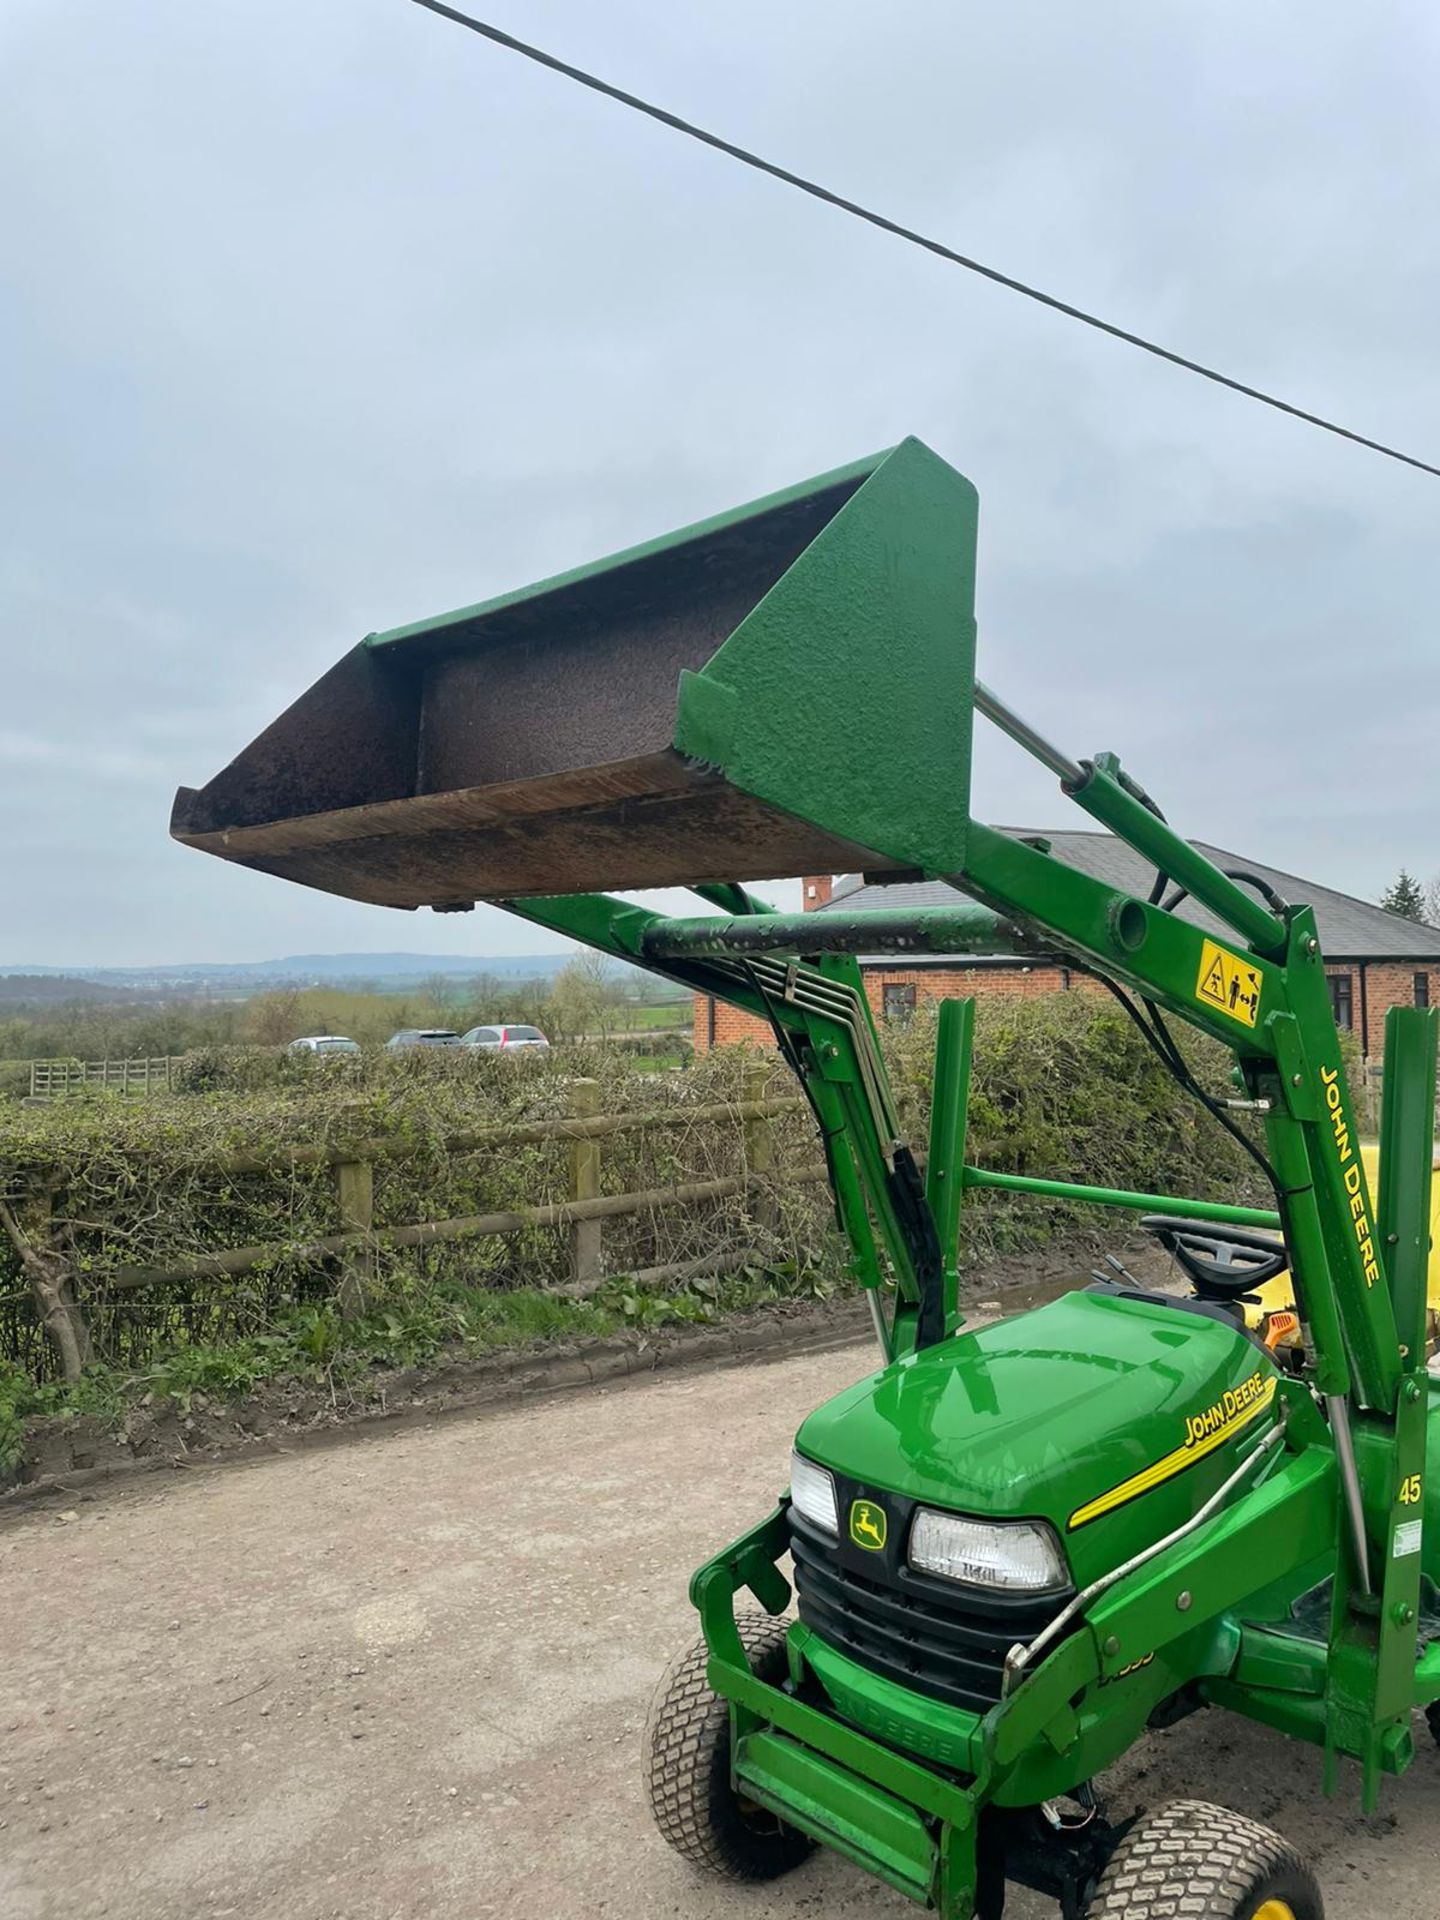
[404, 1679]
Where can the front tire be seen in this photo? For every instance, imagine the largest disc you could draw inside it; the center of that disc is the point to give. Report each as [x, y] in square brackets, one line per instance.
[687, 1766]
[1204, 1863]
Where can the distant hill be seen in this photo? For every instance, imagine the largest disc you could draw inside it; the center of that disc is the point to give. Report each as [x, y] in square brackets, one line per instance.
[380, 972]
[54, 989]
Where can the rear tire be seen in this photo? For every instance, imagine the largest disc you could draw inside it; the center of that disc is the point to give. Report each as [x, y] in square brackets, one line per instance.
[687, 1766]
[1204, 1863]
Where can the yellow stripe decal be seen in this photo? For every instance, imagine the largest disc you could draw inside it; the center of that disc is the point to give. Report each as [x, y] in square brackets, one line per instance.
[1173, 1463]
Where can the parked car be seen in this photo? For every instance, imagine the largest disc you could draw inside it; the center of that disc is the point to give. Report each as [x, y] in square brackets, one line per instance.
[510, 1038]
[423, 1037]
[324, 1043]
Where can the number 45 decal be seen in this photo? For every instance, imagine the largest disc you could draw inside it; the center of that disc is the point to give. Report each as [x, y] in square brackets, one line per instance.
[1411, 1491]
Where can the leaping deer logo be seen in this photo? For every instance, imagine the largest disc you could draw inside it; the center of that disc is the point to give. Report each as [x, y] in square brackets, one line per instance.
[867, 1526]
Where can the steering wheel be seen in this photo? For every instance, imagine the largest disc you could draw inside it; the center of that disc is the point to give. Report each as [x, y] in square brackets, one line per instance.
[1222, 1264]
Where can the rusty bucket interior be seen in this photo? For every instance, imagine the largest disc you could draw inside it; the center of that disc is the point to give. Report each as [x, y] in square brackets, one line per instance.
[784, 689]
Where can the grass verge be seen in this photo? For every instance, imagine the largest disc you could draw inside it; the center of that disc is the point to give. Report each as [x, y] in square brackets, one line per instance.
[311, 1343]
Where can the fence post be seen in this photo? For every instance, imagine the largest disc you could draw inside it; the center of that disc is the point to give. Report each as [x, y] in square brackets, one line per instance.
[760, 1147]
[586, 1268]
[355, 1190]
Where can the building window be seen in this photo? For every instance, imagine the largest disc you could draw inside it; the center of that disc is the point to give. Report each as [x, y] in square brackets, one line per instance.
[1422, 989]
[897, 1001]
[1342, 999]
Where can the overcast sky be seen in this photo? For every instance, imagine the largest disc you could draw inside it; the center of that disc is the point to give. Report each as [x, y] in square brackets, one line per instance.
[317, 316]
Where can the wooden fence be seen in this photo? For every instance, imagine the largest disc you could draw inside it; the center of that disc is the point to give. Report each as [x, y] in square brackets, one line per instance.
[352, 1250]
[59, 1079]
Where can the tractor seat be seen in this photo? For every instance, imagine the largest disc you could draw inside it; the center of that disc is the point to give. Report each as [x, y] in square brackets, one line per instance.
[1223, 1264]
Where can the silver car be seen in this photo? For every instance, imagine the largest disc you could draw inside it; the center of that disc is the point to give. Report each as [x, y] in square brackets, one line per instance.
[325, 1043]
[508, 1038]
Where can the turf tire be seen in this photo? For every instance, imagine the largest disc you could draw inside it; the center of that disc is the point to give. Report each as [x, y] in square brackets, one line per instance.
[687, 1767]
[1192, 1861]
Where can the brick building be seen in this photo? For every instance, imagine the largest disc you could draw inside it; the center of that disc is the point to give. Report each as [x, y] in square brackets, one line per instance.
[1374, 960]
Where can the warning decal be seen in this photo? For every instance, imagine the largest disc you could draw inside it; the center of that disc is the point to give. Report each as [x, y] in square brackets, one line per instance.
[1229, 983]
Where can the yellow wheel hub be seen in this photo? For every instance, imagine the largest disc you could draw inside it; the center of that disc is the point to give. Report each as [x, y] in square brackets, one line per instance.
[1274, 1910]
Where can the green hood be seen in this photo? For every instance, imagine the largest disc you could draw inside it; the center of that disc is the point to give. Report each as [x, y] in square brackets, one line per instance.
[1113, 1418]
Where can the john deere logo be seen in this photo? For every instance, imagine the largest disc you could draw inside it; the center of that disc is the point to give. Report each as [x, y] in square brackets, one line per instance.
[867, 1525]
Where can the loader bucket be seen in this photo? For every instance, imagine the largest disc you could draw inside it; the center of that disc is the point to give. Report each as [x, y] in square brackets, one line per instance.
[785, 689]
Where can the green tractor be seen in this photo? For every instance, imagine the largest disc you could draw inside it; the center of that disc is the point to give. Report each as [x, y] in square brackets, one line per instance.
[1013, 1548]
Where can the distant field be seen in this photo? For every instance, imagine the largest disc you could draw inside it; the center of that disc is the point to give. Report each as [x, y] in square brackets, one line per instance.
[674, 1013]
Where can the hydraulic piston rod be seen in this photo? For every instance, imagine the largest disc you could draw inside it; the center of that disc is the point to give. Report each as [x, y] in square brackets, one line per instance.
[1024, 735]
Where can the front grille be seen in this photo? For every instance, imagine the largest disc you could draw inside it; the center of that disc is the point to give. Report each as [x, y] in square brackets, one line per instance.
[945, 1642]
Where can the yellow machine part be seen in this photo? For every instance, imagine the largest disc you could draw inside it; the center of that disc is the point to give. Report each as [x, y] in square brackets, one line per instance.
[1277, 1296]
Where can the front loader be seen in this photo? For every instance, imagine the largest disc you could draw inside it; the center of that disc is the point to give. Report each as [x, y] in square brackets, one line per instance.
[1013, 1548]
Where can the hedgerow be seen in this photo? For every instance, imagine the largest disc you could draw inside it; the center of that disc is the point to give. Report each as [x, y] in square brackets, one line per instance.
[1062, 1086]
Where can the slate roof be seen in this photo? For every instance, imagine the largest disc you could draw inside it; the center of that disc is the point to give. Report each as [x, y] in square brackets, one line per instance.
[1350, 929]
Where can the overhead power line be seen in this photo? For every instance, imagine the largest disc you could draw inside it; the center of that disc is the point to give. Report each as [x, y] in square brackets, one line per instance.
[901, 232]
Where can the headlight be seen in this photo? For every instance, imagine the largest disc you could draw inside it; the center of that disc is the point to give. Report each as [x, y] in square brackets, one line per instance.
[1007, 1556]
[812, 1492]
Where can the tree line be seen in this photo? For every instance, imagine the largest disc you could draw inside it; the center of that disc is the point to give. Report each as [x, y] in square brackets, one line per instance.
[588, 997]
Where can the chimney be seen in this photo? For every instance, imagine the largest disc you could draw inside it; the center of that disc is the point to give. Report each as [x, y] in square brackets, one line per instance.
[815, 890]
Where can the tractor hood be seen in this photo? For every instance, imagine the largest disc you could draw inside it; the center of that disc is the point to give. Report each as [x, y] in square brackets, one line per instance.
[1112, 1417]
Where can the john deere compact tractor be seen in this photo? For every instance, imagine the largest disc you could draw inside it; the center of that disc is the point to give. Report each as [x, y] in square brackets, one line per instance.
[1012, 1548]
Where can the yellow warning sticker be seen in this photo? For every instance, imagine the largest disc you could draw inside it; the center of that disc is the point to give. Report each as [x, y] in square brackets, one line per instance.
[1229, 983]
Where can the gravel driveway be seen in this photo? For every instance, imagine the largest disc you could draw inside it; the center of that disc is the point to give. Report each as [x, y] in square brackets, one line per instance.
[404, 1678]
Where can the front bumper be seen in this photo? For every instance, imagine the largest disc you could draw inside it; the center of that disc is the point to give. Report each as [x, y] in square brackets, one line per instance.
[901, 1819]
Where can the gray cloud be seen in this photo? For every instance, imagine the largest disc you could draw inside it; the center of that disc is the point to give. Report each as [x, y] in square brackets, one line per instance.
[318, 320]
